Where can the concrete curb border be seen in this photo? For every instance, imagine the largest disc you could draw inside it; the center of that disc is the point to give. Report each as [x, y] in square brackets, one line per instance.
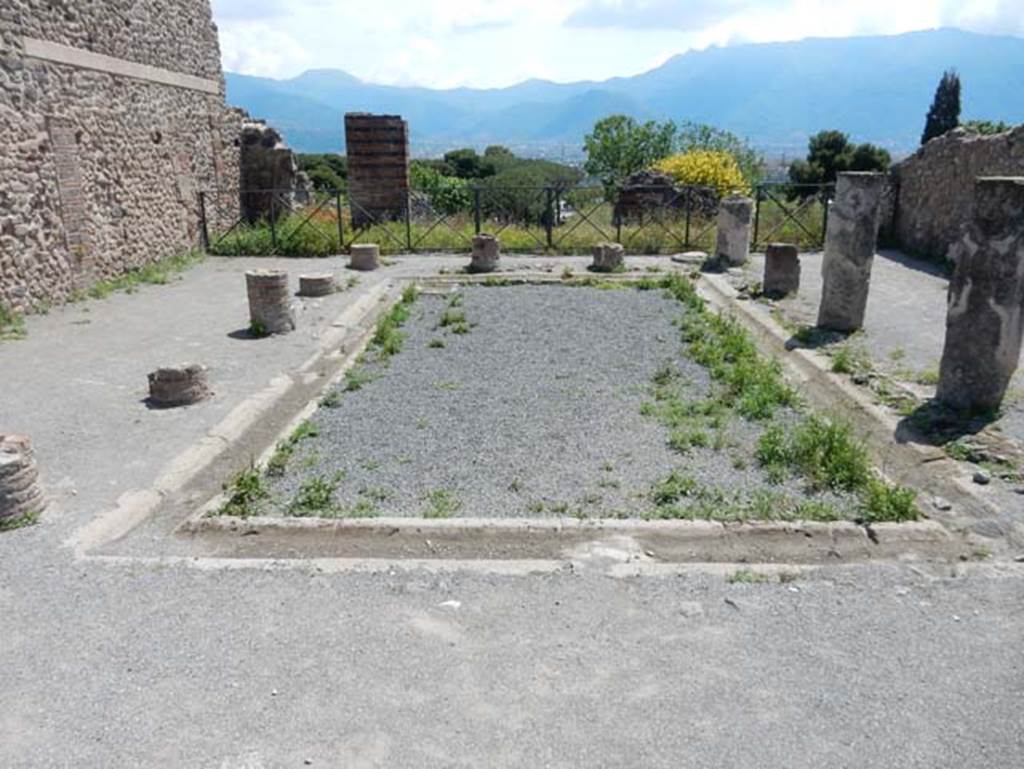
[562, 539]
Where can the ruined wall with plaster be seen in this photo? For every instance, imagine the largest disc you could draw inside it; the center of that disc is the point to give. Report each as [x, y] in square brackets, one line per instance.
[112, 117]
[935, 187]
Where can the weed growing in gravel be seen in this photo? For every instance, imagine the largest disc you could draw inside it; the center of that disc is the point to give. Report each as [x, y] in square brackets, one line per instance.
[441, 503]
[454, 320]
[314, 497]
[435, 344]
[285, 449]
[850, 360]
[245, 493]
[830, 457]
[357, 378]
[331, 400]
[883, 502]
[823, 450]
[746, 576]
[749, 383]
[375, 494]
[387, 338]
[12, 324]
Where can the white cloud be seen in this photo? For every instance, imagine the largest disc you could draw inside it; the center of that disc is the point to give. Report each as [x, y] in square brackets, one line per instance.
[444, 43]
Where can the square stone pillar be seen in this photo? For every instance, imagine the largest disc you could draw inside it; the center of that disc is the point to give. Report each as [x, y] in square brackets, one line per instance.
[732, 247]
[985, 315]
[781, 270]
[850, 250]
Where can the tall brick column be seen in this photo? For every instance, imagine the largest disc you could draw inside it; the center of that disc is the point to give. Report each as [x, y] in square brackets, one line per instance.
[378, 167]
[985, 318]
[850, 250]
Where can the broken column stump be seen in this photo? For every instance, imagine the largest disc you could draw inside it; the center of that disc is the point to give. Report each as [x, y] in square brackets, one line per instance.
[781, 270]
[850, 250]
[984, 319]
[608, 257]
[732, 247]
[318, 284]
[20, 493]
[181, 386]
[486, 253]
[364, 256]
[270, 309]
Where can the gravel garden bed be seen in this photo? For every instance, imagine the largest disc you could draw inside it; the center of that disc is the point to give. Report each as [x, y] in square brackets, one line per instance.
[602, 400]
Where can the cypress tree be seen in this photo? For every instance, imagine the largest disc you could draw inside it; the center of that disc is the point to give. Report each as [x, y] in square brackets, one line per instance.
[944, 114]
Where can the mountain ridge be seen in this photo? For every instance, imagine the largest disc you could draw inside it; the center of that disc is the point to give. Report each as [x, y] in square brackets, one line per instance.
[877, 88]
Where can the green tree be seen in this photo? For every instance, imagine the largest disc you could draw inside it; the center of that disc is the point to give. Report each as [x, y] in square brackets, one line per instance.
[467, 164]
[328, 171]
[619, 146]
[944, 114]
[700, 136]
[831, 152]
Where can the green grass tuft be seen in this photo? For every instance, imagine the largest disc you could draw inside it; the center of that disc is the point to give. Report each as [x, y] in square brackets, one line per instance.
[441, 503]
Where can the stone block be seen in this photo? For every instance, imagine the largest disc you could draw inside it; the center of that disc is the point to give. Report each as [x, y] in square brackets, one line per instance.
[317, 284]
[608, 257]
[732, 247]
[984, 320]
[486, 253]
[270, 309]
[850, 250]
[781, 270]
[180, 386]
[20, 493]
[364, 256]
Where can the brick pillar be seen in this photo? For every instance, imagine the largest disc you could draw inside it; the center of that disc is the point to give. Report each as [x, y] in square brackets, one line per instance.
[20, 494]
[181, 386]
[985, 318]
[850, 250]
[270, 308]
[378, 167]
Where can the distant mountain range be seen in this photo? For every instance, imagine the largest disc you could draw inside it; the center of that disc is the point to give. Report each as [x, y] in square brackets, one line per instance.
[877, 89]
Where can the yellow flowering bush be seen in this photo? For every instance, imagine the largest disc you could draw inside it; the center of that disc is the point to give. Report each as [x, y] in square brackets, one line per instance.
[705, 168]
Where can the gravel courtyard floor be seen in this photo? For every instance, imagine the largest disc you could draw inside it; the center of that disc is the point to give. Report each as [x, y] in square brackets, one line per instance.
[536, 410]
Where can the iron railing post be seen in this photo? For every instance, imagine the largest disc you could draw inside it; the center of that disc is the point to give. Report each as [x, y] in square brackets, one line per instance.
[689, 211]
[824, 216]
[341, 225]
[408, 220]
[204, 230]
[549, 217]
[757, 214]
[476, 210]
[273, 220]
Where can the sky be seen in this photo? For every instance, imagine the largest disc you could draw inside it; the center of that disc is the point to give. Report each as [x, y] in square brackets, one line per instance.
[494, 43]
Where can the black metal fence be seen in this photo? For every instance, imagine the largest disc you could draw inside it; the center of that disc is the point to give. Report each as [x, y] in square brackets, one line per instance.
[552, 219]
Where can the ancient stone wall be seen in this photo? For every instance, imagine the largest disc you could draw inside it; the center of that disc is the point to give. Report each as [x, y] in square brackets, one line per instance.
[378, 166]
[271, 183]
[113, 118]
[935, 193]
